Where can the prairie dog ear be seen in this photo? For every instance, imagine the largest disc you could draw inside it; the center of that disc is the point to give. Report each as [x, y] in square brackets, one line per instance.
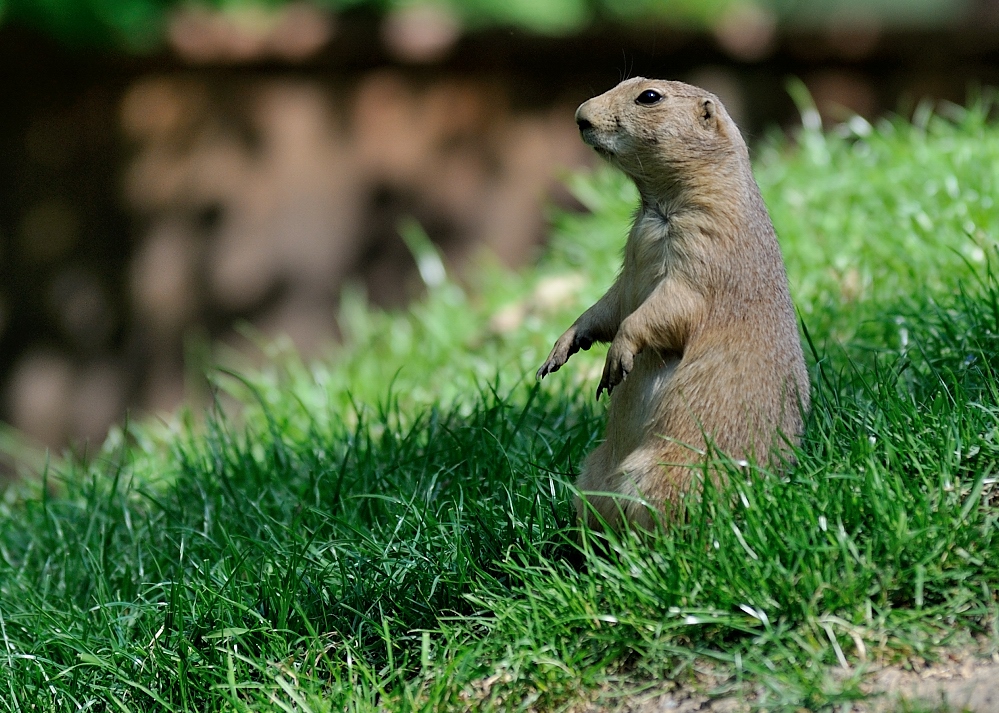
[707, 112]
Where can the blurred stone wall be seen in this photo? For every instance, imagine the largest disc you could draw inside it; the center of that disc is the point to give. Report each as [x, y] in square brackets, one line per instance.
[148, 207]
[149, 218]
[256, 198]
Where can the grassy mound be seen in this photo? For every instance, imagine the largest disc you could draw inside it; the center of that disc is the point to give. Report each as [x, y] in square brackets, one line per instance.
[392, 529]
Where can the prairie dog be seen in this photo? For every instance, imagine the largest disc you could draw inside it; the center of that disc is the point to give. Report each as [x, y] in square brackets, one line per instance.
[703, 335]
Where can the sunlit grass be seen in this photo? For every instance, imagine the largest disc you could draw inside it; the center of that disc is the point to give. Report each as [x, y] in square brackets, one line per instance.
[392, 530]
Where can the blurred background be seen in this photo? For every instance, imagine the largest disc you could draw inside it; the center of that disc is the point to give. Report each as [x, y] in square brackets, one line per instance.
[180, 177]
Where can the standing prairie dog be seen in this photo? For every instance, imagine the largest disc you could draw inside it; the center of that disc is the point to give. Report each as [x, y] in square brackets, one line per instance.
[703, 336]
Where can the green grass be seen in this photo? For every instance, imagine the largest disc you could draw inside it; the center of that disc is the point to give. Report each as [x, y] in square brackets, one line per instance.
[392, 529]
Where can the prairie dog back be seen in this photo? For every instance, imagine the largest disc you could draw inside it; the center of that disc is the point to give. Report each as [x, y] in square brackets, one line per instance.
[703, 335]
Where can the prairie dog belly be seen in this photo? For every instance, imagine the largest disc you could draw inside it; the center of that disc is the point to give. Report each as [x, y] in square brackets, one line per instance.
[636, 405]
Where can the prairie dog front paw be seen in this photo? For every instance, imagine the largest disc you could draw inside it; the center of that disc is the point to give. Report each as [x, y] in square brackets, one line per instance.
[620, 361]
[568, 344]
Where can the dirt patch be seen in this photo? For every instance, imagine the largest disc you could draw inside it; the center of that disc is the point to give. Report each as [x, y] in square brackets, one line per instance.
[958, 682]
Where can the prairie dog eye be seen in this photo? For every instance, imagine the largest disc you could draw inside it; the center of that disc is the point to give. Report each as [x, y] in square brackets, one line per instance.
[649, 96]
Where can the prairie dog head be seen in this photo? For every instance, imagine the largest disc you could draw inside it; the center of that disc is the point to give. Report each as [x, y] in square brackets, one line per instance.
[656, 130]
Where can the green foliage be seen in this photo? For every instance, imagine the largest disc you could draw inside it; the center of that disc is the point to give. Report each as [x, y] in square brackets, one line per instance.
[134, 25]
[895, 13]
[392, 530]
[870, 214]
[554, 17]
[138, 25]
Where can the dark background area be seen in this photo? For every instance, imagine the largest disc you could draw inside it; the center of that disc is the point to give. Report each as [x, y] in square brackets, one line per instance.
[171, 171]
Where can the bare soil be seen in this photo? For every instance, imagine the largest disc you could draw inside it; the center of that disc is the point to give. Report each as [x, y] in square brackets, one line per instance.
[959, 681]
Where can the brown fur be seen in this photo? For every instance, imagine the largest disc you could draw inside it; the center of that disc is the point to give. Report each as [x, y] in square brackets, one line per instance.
[703, 335]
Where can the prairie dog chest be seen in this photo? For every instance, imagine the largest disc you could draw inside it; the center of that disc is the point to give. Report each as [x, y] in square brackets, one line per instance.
[648, 257]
